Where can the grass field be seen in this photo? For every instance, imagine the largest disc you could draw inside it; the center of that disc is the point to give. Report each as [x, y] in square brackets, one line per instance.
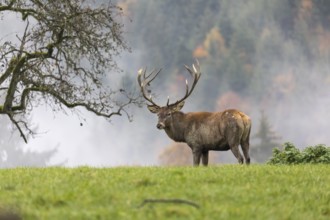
[216, 192]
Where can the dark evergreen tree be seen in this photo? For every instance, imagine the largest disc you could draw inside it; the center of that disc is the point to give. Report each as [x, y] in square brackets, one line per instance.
[268, 139]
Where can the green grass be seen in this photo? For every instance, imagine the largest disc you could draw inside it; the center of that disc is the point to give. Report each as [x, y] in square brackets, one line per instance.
[222, 192]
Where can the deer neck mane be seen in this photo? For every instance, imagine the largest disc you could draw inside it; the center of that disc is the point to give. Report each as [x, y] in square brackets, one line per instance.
[176, 127]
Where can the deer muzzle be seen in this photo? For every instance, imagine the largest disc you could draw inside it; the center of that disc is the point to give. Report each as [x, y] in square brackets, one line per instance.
[160, 125]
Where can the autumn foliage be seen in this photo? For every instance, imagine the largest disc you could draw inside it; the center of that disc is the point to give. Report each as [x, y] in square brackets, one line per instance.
[179, 154]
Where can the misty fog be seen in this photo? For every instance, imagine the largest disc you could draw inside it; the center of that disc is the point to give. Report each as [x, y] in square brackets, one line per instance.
[296, 99]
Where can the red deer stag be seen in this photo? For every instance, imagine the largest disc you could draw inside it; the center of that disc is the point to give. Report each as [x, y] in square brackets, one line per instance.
[202, 131]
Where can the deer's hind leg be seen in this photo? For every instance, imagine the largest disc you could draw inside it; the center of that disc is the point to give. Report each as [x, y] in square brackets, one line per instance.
[237, 153]
[234, 135]
[233, 143]
[245, 148]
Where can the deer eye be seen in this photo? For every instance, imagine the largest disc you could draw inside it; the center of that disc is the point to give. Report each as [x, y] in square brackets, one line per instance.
[168, 114]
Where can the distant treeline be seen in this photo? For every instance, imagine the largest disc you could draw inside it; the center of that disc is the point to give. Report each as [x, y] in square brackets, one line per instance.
[261, 51]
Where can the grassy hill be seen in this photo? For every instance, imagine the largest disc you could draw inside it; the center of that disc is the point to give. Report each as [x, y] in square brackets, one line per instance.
[216, 192]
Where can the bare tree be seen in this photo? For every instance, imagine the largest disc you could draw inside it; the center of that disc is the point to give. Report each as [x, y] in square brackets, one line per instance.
[61, 59]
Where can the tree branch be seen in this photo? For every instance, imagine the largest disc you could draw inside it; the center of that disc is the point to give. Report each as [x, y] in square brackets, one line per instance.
[175, 201]
[87, 106]
[25, 12]
[17, 126]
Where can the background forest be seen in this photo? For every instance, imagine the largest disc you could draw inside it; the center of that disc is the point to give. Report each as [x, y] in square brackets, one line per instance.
[258, 56]
[267, 58]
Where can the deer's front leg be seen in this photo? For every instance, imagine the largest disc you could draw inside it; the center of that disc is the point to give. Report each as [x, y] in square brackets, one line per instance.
[197, 154]
[205, 158]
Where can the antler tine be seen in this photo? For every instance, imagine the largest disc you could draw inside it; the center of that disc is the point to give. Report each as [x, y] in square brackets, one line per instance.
[139, 76]
[145, 81]
[196, 74]
[197, 68]
[168, 101]
[152, 72]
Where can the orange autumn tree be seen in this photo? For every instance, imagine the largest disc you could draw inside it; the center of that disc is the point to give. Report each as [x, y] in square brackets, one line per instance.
[179, 154]
[214, 45]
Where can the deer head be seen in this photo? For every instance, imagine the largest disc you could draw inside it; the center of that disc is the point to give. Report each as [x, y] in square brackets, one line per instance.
[165, 112]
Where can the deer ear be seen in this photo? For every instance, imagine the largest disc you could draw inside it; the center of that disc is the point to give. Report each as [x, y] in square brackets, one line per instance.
[153, 108]
[178, 107]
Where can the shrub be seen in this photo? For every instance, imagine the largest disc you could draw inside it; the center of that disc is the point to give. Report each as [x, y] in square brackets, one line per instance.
[291, 155]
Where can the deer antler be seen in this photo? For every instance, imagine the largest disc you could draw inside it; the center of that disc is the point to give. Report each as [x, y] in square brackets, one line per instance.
[195, 72]
[144, 80]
